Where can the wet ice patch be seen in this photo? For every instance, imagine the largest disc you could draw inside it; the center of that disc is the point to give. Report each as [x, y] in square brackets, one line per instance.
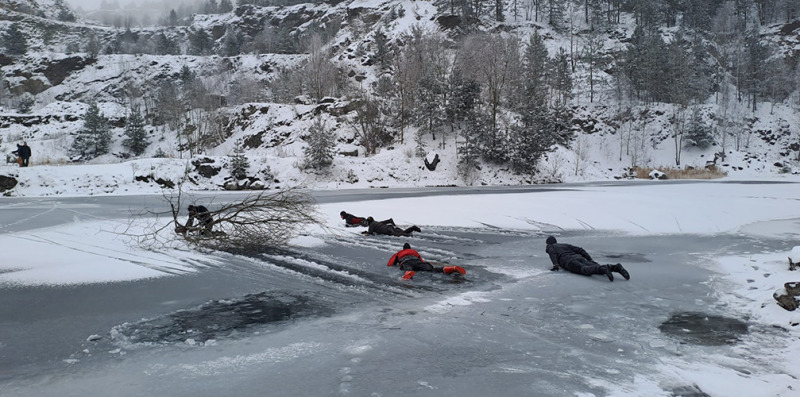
[238, 363]
[464, 299]
[307, 241]
[704, 329]
[219, 319]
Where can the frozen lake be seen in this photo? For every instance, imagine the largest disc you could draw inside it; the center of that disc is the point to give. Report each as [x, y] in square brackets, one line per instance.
[333, 319]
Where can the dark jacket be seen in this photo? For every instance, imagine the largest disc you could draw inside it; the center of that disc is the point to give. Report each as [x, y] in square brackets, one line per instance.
[352, 220]
[376, 227]
[562, 254]
[202, 215]
[25, 151]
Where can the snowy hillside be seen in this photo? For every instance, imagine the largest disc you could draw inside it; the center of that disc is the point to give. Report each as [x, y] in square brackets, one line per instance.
[239, 109]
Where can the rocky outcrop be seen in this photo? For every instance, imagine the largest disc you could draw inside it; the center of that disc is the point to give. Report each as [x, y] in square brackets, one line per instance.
[204, 167]
[7, 183]
[787, 297]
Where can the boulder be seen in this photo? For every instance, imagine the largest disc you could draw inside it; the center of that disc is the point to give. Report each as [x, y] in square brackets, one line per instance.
[787, 297]
[7, 183]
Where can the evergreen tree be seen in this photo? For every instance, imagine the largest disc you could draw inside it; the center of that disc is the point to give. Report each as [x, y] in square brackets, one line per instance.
[383, 54]
[556, 10]
[136, 136]
[239, 163]
[470, 151]
[14, 40]
[25, 103]
[533, 79]
[211, 7]
[225, 6]
[165, 46]
[701, 78]
[698, 133]
[200, 43]
[92, 46]
[321, 142]
[530, 140]
[679, 70]
[94, 139]
[561, 85]
[464, 97]
[187, 76]
[232, 43]
[64, 13]
[172, 20]
[756, 55]
[430, 112]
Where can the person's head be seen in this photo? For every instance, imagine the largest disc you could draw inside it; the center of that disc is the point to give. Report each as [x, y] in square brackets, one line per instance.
[406, 246]
[192, 209]
[370, 219]
[550, 240]
[342, 214]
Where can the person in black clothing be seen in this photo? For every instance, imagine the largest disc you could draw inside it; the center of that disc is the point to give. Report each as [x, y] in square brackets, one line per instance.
[351, 220]
[24, 152]
[577, 260]
[388, 228]
[204, 219]
[410, 260]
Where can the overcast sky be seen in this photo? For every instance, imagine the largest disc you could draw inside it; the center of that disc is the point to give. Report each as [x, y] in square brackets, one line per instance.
[95, 4]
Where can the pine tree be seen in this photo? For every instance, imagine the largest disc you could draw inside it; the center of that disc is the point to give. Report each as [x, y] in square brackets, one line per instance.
[94, 139]
[136, 135]
[239, 163]
[15, 41]
[225, 6]
[464, 97]
[200, 43]
[321, 142]
[698, 133]
[92, 46]
[469, 152]
[383, 54]
[165, 46]
[172, 20]
[232, 43]
[25, 103]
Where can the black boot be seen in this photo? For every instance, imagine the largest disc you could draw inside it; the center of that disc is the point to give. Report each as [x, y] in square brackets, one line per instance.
[607, 269]
[621, 270]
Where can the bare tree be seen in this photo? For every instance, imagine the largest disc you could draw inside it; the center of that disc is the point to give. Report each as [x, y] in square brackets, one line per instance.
[493, 61]
[320, 72]
[257, 222]
[678, 131]
[369, 125]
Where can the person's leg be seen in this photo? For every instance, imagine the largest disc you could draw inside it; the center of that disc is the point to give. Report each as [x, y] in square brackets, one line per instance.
[621, 270]
[411, 229]
[589, 268]
[396, 231]
[453, 269]
[417, 265]
[423, 266]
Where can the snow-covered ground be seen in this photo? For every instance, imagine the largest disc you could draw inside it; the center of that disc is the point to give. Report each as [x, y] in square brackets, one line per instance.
[64, 255]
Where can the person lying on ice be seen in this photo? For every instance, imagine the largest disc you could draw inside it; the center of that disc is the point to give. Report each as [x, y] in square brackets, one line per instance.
[577, 260]
[387, 227]
[351, 220]
[411, 261]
